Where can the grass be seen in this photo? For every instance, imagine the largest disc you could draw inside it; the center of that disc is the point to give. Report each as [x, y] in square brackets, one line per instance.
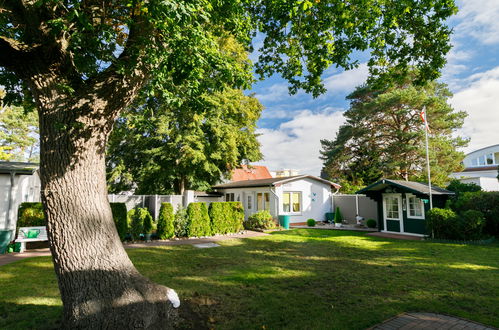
[296, 279]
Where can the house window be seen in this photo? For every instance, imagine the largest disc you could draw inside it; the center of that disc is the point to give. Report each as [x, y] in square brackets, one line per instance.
[416, 207]
[263, 201]
[229, 197]
[490, 159]
[291, 202]
[249, 203]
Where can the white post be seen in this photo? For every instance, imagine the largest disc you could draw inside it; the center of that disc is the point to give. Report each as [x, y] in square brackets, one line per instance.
[356, 205]
[428, 156]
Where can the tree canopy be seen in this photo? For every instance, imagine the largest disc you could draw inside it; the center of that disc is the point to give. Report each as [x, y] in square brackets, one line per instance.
[384, 135]
[18, 133]
[163, 151]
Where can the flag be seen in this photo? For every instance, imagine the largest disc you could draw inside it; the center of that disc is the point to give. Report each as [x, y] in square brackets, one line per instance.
[423, 118]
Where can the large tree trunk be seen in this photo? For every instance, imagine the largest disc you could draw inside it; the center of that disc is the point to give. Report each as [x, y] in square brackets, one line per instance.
[100, 287]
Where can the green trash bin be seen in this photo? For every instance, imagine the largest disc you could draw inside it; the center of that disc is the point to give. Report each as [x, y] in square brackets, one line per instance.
[284, 221]
[5, 238]
[330, 217]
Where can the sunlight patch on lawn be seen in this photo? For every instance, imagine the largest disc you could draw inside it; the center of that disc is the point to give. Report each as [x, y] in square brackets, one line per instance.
[471, 266]
[45, 301]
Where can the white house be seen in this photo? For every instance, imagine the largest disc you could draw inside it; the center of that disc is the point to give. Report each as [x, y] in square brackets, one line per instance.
[301, 197]
[19, 182]
[481, 168]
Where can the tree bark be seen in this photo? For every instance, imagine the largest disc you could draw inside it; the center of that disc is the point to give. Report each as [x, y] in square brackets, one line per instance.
[99, 286]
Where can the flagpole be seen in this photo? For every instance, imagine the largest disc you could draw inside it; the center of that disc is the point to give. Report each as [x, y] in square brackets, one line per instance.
[427, 156]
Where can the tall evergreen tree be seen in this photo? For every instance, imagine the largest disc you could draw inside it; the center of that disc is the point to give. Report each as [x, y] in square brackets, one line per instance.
[384, 135]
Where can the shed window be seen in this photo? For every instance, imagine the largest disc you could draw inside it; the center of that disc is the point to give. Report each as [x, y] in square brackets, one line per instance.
[416, 207]
[291, 202]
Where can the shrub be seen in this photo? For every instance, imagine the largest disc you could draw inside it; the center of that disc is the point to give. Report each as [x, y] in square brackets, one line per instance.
[311, 222]
[166, 227]
[140, 222]
[120, 218]
[338, 218]
[485, 202]
[226, 217]
[199, 220]
[260, 220]
[147, 220]
[30, 215]
[471, 224]
[442, 223]
[459, 187]
[180, 222]
[371, 223]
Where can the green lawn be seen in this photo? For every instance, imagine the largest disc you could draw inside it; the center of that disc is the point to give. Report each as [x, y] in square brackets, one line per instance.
[298, 279]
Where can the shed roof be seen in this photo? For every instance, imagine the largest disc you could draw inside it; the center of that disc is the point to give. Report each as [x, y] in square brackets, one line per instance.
[272, 182]
[415, 187]
[17, 167]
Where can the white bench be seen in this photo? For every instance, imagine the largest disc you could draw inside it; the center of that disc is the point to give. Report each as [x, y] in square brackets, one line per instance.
[31, 234]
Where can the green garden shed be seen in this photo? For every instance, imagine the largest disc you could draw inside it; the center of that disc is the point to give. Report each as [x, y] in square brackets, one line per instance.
[403, 205]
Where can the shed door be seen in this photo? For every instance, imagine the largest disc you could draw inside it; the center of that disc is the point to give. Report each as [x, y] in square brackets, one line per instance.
[392, 212]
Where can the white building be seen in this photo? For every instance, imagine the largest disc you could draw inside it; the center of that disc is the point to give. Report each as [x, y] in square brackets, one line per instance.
[481, 168]
[19, 182]
[301, 197]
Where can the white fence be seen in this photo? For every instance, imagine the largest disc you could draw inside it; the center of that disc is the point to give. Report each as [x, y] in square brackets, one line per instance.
[151, 202]
[351, 205]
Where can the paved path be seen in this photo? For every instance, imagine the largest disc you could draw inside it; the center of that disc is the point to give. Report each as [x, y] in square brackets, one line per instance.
[429, 321]
[396, 236]
[11, 257]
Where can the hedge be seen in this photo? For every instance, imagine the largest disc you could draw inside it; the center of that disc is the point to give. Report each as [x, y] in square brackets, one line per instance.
[446, 224]
[198, 220]
[486, 202]
[120, 218]
[226, 217]
[30, 215]
[166, 227]
[260, 220]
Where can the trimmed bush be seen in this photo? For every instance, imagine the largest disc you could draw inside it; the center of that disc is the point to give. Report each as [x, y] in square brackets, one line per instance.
[226, 217]
[311, 222]
[181, 222]
[260, 220]
[371, 223]
[199, 221]
[147, 220]
[486, 202]
[338, 218]
[120, 218]
[30, 215]
[166, 228]
[140, 222]
[442, 223]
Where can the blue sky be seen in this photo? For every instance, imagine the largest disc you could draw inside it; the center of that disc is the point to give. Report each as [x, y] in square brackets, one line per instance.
[291, 127]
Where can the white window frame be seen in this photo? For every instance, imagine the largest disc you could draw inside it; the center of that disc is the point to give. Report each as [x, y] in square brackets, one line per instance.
[421, 204]
[263, 193]
[229, 199]
[291, 202]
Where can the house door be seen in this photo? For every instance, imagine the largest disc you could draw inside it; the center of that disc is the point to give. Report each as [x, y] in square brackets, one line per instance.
[392, 213]
[250, 205]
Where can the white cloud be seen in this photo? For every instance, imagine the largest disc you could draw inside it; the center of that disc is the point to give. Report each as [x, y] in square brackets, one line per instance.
[478, 18]
[296, 143]
[274, 93]
[480, 99]
[346, 81]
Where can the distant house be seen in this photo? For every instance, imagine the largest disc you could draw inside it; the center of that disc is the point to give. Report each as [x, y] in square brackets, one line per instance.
[251, 172]
[403, 205]
[481, 168]
[301, 197]
[19, 182]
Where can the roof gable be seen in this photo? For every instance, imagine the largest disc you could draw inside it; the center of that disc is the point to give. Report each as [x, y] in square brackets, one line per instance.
[272, 182]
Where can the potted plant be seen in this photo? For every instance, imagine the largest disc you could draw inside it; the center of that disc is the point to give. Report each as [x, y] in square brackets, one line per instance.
[337, 218]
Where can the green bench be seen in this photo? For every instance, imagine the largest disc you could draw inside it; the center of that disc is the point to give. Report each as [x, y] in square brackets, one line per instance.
[31, 234]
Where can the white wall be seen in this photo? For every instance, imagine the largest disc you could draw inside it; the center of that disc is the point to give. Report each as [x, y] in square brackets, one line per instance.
[315, 199]
[26, 189]
[487, 184]
[241, 195]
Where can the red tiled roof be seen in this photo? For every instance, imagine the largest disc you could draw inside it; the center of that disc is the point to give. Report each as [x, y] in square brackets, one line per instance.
[250, 173]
